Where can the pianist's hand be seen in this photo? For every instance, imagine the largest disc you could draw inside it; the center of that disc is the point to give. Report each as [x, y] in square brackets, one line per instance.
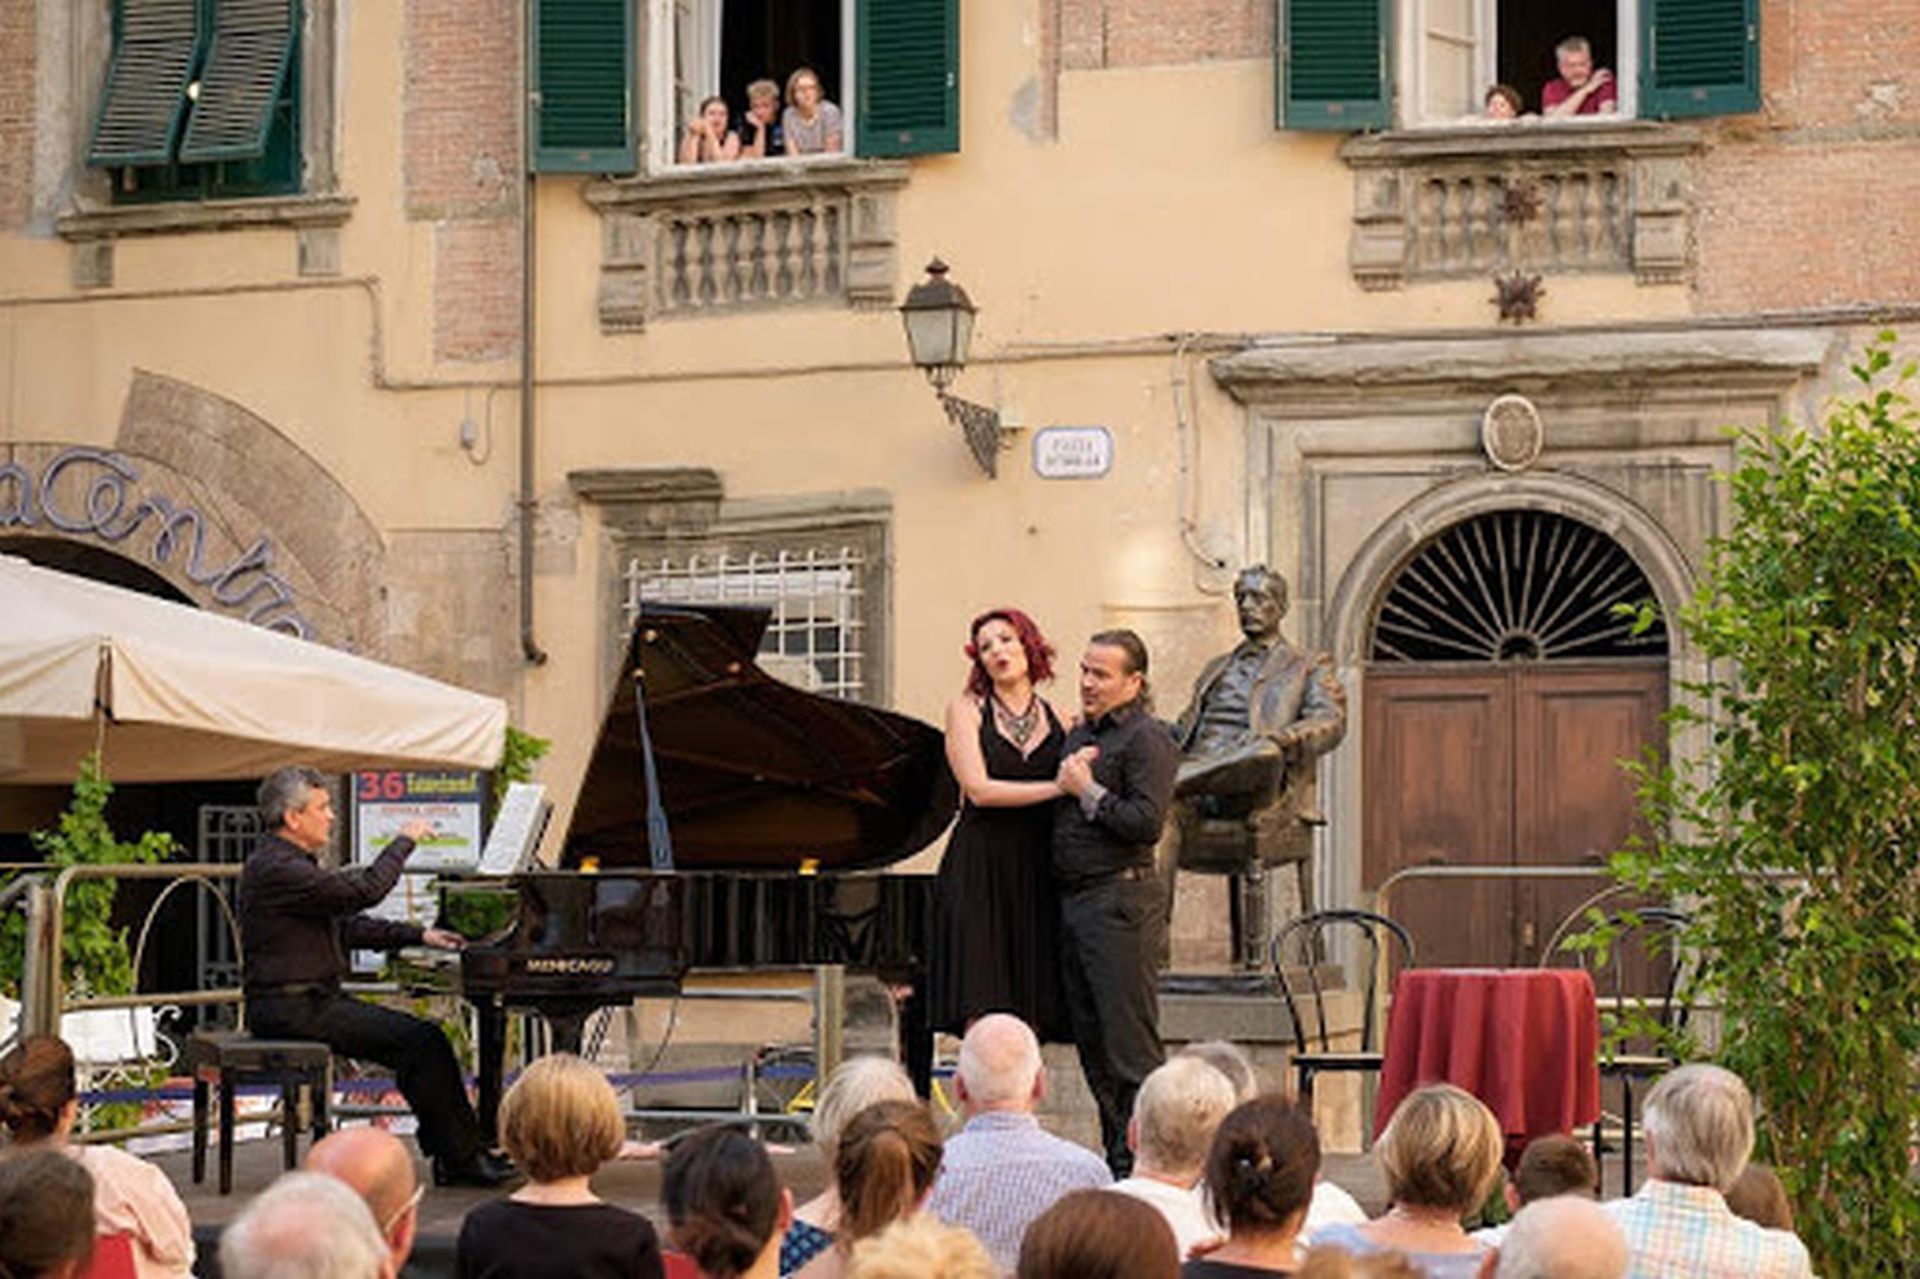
[443, 939]
[417, 831]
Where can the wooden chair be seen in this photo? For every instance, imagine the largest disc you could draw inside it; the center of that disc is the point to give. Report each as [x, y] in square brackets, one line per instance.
[1301, 948]
[231, 1059]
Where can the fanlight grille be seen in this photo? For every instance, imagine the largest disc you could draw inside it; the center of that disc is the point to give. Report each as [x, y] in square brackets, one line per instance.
[1515, 586]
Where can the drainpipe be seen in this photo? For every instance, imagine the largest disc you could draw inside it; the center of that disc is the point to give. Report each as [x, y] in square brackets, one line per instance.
[529, 649]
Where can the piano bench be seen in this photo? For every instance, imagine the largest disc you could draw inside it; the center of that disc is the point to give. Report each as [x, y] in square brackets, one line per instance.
[232, 1059]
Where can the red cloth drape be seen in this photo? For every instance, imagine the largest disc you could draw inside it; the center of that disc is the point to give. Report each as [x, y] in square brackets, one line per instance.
[1524, 1041]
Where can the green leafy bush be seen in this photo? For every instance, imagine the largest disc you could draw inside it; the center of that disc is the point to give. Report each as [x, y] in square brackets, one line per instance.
[1795, 840]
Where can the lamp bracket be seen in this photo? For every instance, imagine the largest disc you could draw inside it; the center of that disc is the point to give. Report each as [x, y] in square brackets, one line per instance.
[985, 433]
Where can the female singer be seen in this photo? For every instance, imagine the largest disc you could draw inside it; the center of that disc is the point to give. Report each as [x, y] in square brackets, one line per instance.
[996, 915]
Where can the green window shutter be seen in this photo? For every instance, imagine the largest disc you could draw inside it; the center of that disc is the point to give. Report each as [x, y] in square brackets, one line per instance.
[1330, 68]
[583, 63]
[248, 63]
[156, 44]
[909, 77]
[1702, 57]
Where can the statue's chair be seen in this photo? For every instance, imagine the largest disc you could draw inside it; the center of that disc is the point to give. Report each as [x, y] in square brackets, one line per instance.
[1300, 955]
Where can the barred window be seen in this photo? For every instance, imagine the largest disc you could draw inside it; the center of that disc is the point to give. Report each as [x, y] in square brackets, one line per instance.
[819, 634]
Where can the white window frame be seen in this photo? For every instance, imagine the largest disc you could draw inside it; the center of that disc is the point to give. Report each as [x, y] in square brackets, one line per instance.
[1410, 104]
[659, 152]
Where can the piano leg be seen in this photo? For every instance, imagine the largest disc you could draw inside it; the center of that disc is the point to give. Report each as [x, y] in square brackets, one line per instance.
[568, 1030]
[493, 1051]
[916, 1039]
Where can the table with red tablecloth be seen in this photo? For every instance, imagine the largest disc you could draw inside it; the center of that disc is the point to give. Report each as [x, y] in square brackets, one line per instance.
[1524, 1041]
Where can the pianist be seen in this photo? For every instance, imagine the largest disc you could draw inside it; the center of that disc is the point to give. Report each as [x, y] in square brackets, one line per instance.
[297, 922]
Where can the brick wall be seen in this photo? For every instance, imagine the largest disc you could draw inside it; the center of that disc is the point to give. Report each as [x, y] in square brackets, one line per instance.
[16, 111]
[1816, 201]
[1139, 33]
[462, 149]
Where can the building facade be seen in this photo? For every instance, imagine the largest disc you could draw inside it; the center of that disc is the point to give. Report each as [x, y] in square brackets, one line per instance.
[266, 267]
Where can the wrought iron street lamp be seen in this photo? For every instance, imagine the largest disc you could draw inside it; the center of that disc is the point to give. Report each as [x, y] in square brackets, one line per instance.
[938, 316]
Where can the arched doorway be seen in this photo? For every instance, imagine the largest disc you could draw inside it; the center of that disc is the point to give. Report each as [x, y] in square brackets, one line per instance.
[1502, 692]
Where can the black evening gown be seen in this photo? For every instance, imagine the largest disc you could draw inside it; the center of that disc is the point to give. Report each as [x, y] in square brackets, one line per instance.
[997, 918]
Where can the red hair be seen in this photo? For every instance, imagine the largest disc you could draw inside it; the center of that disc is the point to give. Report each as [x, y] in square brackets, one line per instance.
[1039, 652]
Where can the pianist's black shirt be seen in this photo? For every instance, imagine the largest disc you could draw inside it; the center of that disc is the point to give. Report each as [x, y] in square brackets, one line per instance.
[1136, 766]
[298, 920]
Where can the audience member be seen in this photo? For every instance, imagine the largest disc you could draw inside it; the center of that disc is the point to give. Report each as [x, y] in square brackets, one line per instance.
[885, 1163]
[1559, 1237]
[1002, 1169]
[1502, 103]
[1555, 1164]
[376, 1166]
[708, 138]
[1331, 1205]
[39, 1102]
[855, 1084]
[810, 125]
[1757, 1195]
[1092, 1234]
[560, 1121]
[1337, 1263]
[1175, 1114]
[1441, 1152]
[922, 1247]
[46, 1216]
[760, 127]
[306, 1225]
[724, 1204]
[1260, 1174]
[1699, 1133]
[1581, 88]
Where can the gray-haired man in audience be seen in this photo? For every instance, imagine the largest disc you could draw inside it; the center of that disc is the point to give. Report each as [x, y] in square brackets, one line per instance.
[1175, 1114]
[1002, 1170]
[1560, 1237]
[376, 1166]
[1699, 1135]
[305, 1226]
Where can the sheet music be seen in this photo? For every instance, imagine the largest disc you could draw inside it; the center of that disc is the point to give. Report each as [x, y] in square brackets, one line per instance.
[517, 830]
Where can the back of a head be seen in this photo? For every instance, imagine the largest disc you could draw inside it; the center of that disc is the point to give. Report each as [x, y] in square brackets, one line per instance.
[1177, 1110]
[1261, 1168]
[373, 1163]
[922, 1247]
[1230, 1060]
[855, 1084]
[1555, 1165]
[46, 1213]
[1441, 1149]
[1758, 1196]
[306, 1225]
[1338, 1263]
[999, 1060]
[722, 1198]
[561, 1119]
[886, 1162]
[1565, 1237]
[1098, 1234]
[1700, 1126]
[36, 1083]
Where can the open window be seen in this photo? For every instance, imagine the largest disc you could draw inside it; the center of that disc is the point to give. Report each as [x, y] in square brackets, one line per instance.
[890, 66]
[1345, 65]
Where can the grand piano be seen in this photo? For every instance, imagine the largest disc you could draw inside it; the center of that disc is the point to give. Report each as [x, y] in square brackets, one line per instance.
[727, 821]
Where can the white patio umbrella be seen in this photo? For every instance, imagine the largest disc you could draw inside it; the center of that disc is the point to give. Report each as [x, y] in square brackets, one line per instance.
[184, 695]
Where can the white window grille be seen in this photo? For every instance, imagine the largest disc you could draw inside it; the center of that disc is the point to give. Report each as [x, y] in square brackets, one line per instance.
[816, 637]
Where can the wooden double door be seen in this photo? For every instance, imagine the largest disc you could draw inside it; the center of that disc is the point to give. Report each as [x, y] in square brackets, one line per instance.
[1512, 764]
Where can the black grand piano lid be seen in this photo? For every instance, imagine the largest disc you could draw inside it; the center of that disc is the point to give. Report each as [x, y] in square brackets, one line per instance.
[754, 774]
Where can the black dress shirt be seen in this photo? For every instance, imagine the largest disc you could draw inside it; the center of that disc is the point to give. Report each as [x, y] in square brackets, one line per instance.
[298, 920]
[1135, 769]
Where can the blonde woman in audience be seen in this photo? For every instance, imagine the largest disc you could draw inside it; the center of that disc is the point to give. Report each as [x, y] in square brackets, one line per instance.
[921, 1247]
[46, 1216]
[855, 1084]
[725, 1207]
[810, 125]
[560, 1121]
[1441, 1153]
[1096, 1234]
[885, 1163]
[39, 1103]
[1260, 1174]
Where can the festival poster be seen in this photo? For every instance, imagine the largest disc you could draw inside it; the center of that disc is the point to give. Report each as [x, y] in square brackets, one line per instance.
[451, 802]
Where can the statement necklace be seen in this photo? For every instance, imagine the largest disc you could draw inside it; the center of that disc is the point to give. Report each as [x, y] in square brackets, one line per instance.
[1017, 728]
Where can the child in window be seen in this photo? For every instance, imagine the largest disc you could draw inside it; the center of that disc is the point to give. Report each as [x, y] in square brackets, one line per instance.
[760, 130]
[708, 139]
[811, 123]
